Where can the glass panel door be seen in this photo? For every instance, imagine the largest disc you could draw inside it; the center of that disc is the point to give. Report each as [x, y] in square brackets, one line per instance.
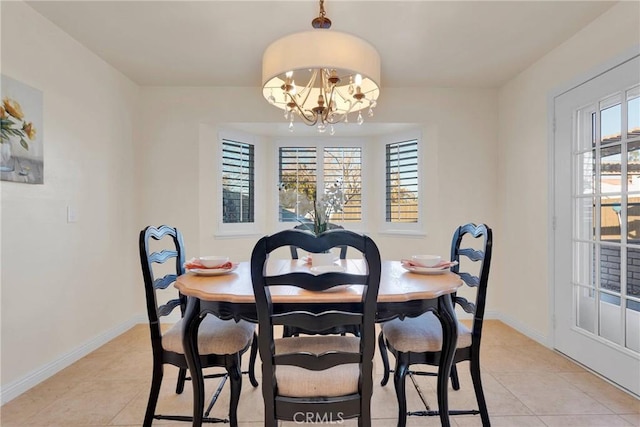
[597, 208]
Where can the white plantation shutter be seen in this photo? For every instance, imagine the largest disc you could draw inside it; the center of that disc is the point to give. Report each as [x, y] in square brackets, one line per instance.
[238, 185]
[297, 171]
[402, 181]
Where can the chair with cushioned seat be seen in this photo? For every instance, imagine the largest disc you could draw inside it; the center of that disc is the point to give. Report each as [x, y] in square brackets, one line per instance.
[221, 343]
[309, 227]
[294, 332]
[319, 378]
[419, 340]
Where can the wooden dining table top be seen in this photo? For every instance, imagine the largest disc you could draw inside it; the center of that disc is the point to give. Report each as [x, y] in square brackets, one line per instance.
[396, 284]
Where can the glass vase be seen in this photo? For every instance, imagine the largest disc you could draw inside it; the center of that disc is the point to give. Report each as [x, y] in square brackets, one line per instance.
[6, 157]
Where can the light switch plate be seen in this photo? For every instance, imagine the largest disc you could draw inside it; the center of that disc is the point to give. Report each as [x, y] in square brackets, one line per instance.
[72, 214]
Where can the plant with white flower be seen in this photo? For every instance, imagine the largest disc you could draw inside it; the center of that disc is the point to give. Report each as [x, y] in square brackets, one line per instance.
[318, 209]
[331, 201]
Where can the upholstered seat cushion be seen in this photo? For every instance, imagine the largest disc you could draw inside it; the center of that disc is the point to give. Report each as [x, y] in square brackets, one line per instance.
[421, 334]
[340, 380]
[215, 336]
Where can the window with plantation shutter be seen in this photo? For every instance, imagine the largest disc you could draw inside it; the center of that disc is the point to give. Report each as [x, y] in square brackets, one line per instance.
[297, 177]
[310, 171]
[402, 182]
[237, 182]
[343, 168]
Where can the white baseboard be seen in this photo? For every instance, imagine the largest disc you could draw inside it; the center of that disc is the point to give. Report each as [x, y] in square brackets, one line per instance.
[16, 388]
[517, 325]
[537, 336]
[493, 315]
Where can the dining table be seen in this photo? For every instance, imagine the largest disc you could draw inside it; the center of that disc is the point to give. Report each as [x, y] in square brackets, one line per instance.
[401, 294]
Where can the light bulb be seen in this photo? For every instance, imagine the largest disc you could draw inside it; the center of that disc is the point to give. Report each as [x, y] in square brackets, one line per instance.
[288, 74]
[358, 80]
[360, 119]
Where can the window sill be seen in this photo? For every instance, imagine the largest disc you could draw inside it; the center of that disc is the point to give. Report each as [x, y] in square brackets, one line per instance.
[241, 235]
[403, 233]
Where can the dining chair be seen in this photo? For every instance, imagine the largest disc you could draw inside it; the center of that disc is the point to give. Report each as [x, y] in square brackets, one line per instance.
[309, 227]
[319, 378]
[419, 340]
[293, 332]
[221, 343]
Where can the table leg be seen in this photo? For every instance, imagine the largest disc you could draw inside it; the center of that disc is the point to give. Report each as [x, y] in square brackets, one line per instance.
[190, 324]
[448, 320]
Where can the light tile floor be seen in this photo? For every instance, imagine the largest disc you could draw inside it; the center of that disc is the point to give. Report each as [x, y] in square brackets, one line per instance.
[525, 384]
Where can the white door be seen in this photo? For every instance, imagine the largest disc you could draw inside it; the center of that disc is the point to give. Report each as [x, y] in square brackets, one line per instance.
[596, 180]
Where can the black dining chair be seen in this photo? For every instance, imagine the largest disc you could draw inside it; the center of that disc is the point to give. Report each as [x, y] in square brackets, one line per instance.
[419, 340]
[294, 332]
[309, 227]
[319, 378]
[221, 343]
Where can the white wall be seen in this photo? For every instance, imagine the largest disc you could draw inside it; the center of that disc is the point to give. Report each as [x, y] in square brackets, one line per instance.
[459, 128]
[522, 244]
[64, 286]
[127, 157]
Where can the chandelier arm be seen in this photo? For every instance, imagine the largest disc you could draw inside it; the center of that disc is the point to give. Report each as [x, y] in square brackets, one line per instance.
[304, 113]
[309, 85]
[344, 98]
[333, 116]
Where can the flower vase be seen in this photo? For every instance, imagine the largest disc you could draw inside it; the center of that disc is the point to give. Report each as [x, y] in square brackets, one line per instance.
[6, 157]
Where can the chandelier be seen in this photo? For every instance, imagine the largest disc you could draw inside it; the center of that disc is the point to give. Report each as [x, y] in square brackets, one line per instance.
[320, 77]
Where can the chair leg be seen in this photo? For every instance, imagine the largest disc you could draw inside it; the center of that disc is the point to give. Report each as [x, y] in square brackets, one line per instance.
[235, 376]
[385, 359]
[455, 382]
[252, 361]
[474, 367]
[156, 382]
[182, 374]
[399, 377]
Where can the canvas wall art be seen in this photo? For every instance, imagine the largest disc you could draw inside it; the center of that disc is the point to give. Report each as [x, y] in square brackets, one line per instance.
[21, 117]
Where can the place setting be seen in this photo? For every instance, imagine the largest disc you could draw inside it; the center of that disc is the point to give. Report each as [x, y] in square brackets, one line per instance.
[323, 263]
[427, 264]
[212, 265]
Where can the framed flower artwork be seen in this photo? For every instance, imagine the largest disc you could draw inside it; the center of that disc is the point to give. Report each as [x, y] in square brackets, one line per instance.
[21, 130]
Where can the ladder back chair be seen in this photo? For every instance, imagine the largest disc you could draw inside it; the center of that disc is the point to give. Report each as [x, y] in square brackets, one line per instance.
[419, 340]
[221, 343]
[309, 227]
[320, 378]
[294, 332]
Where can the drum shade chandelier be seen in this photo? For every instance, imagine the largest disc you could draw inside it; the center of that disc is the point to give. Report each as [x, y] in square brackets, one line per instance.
[320, 77]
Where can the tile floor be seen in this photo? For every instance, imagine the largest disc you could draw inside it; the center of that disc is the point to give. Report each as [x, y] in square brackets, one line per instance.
[525, 384]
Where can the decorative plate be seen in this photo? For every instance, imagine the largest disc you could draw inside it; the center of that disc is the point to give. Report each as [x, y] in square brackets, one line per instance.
[321, 269]
[426, 270]
[212, 271]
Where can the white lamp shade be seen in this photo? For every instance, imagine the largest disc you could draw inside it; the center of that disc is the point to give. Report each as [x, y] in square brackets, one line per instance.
[321, 49]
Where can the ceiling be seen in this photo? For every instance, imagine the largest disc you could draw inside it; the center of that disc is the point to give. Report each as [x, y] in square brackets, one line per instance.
[421, 43]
